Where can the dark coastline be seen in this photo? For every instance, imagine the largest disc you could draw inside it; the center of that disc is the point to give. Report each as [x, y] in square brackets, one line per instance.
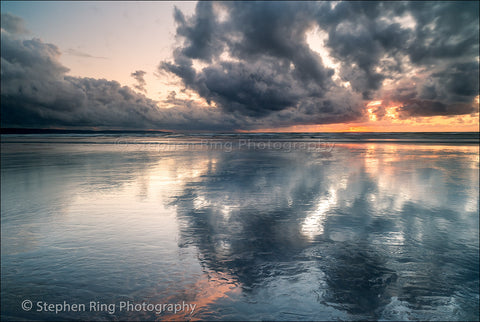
[74, 131]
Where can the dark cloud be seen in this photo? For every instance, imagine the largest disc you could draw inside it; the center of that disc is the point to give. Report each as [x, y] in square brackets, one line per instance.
[139, 77]
[273, 68]
[260, 64]
[417, 107]
[444, 30]
[254, 65]
[200, 32]
[36, 92]
[448, 90]
[359, 38]
[458, 82]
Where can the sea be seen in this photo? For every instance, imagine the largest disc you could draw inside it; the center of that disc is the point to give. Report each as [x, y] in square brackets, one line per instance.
[110, 226]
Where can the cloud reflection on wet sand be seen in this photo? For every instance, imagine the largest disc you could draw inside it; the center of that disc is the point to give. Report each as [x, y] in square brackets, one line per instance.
[358, 233]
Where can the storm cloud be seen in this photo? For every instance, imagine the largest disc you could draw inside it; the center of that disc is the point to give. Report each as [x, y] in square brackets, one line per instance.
[258, 65]
[37, 92]
[259, 62]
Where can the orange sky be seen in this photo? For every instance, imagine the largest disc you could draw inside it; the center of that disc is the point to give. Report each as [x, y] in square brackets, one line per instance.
[109, 47]
[392, 123]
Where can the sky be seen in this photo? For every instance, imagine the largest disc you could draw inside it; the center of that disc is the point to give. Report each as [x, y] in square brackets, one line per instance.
[274, 66]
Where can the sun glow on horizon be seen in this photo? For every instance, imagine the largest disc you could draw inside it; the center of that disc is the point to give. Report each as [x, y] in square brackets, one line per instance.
[390, 122]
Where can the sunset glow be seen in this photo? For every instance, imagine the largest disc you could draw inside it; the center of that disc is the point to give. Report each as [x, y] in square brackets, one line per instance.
[240, 160]
[213, 66]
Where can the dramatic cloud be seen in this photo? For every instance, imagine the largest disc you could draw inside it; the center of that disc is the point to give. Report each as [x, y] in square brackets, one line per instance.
[259, 63]
[138, 76]
[264, 65]
[255, 58]
[36, 92]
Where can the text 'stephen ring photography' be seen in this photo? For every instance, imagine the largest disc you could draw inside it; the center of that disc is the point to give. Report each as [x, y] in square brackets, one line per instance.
[239, 161]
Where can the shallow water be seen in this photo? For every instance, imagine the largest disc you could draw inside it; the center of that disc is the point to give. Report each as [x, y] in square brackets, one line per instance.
[243, 230]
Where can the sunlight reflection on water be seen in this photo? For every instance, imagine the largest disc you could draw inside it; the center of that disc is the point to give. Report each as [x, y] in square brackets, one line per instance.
[366, 231]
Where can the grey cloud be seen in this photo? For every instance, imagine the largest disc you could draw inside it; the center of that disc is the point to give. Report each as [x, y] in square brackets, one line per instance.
[273, 68]
[360, 36]
[273, 72]
[417, 107]
[449, 90]
[36, 92]
[360, 48]
[200, 32]
[139, 77]
[259, 70]
[458, 82]
[444, 30]
[31, 57]
[13, 24]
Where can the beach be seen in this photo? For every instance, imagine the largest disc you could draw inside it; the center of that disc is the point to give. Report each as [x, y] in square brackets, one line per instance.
[240, 227]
